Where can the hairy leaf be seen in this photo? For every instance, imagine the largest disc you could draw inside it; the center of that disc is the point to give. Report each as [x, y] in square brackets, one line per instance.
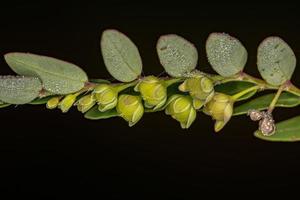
[177, 55]
[286, 131]
[226, 54]
[262, 103]
[57, 76]
[121, 56]
[19, 89]
[276, 61]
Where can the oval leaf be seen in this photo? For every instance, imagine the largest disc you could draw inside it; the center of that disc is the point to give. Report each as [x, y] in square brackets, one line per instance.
[19, 89]
[95, 114]
[286, 131]
[235, 87]
[263, 102]
[121, 56]
[177, 55]
[276, 61]
[57, 76]
[226, 54]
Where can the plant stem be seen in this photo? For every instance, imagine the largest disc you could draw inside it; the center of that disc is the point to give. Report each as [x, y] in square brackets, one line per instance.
[242, 93]
[292, 89]
[242, 76]
[275, 99]
[263, 85]
[123, 86]
[171, 81]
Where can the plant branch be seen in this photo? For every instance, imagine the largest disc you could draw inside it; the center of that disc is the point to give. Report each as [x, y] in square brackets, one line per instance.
[262, 85]
[275, 99]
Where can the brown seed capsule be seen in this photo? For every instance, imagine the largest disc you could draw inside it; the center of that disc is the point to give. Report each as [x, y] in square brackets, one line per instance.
[255, 115]
[267, 125]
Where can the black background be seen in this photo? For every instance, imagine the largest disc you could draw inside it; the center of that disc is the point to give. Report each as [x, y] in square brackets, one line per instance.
[46, 153]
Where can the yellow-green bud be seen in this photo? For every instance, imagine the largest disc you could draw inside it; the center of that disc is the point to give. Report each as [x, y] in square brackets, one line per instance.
[106, 97]
[200, 88]
[153, 91]
[220, 108]
[67, 102]
[53, 102]
[181, 108]
[86, 102]
[130, 108]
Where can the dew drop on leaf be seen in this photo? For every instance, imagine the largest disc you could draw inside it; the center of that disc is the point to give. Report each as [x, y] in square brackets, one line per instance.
[276, 61]
[19, 89]
[177, 55]
[226, 54]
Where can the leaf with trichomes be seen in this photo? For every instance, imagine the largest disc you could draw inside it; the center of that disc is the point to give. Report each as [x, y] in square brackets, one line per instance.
[19, 89]
[276, 61]
[177, 55]
[57, 76]
[121, 57]
[226, 54]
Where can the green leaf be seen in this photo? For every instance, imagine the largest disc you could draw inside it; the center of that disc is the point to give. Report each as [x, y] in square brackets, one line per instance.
[286, 131]
[19, 89]
[121, 56]
[95, 114]
[98, 80]
[57, 76]
[3, 105]
[231, 88]
[226, 54]
[276, 61]
[177, 55]
[40, 101]
[262, 103]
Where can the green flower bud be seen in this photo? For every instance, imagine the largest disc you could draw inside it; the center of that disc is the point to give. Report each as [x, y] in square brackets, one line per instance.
[67, 102]
[130, 108]
[200, 88]
[153, 91]
[220, 108]
[53, 102]
[106, 97]
[181, 108]
[86, 102]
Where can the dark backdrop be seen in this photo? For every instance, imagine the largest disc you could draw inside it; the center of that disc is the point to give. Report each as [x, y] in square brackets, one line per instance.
[47, 153]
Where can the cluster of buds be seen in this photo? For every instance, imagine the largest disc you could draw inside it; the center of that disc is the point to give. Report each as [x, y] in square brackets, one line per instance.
[64, 104]
[153, 95]
[266, 122]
